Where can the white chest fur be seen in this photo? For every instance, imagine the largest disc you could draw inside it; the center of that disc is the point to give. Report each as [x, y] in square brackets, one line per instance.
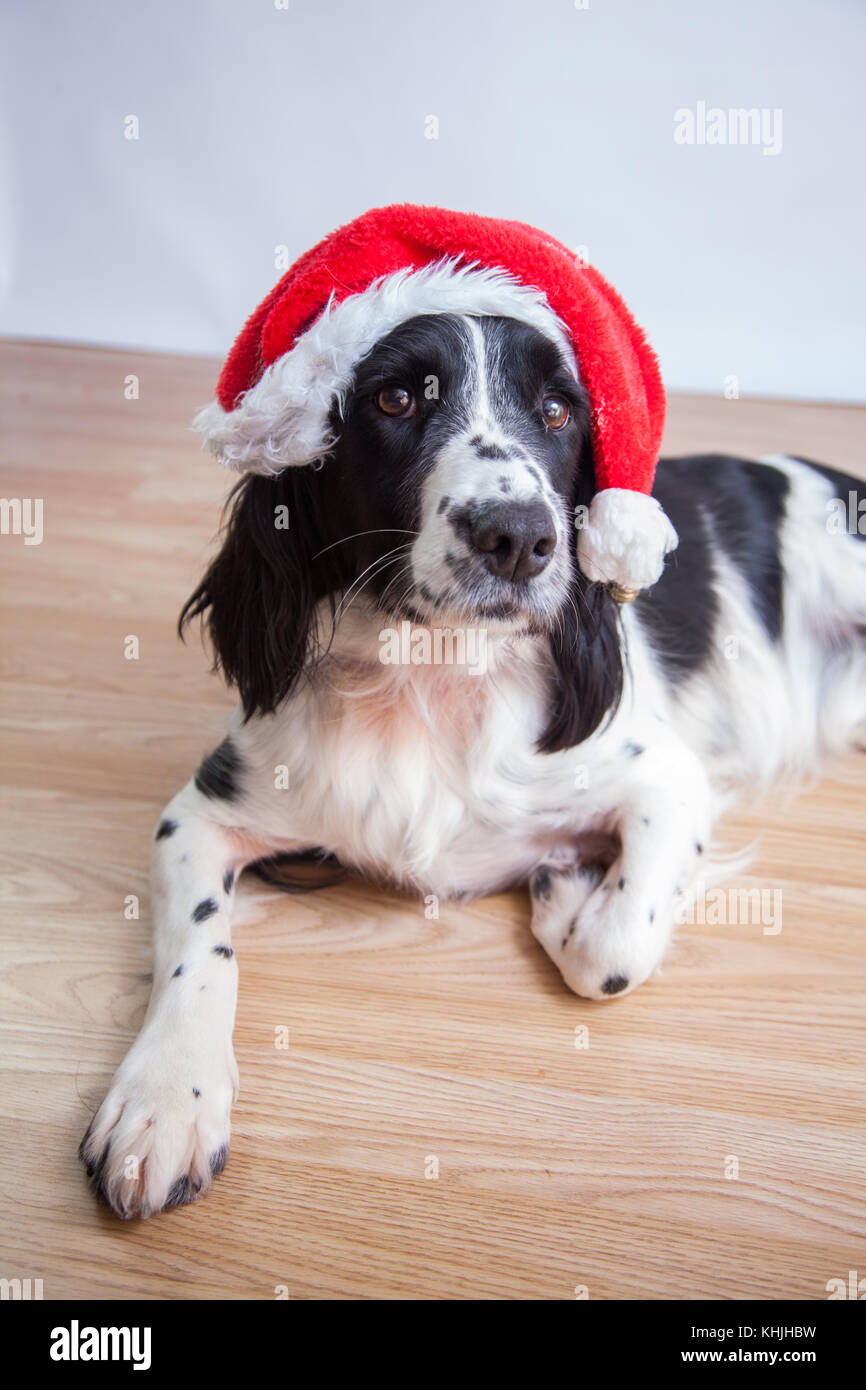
[424, 775]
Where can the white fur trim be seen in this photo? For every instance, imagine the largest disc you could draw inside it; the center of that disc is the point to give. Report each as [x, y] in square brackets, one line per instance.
[282, 421]
[625, 540]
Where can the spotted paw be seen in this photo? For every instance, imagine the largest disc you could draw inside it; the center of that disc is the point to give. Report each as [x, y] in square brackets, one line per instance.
[594, 931]
[162, 1133]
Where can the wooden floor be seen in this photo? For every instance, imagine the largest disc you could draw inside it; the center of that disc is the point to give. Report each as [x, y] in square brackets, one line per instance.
[603, 1166]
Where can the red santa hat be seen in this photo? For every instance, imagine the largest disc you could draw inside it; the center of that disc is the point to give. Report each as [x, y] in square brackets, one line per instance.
[297, 354]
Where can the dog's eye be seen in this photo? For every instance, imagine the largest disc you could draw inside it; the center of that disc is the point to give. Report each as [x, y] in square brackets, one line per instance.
[555, 411]
[396, 401]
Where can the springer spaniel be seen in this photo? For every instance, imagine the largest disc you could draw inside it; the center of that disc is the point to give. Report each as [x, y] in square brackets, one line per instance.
[433, 695]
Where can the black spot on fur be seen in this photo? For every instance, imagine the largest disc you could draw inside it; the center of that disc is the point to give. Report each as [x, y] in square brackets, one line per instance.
[219, 1160]
[228, 880]
[504, 483]
[621, 884]
[614, 984]
[206, 908]
[491, 451]
[183, 1191]
[196, 1092]
[225, 951]
[572, 929]
[652, 916]
[165, 829]
[83, 1144]
[95, 1168]
[218, 776]
[699, 849]
[444, 503]
[592, 873]
[541, 886]
[631, 749]
[177, 972]
[564, 942]
[645, 820]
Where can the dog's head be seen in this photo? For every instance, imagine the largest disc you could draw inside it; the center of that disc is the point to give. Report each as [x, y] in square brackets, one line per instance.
[462, 448]
[466, 435]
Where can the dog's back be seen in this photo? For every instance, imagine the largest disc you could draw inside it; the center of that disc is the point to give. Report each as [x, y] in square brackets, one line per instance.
[758, 622]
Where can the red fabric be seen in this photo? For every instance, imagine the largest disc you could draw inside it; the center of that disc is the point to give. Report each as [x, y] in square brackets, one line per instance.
[617, 365]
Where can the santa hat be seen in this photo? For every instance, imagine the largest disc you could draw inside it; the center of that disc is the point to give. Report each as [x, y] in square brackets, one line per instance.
[297, 354]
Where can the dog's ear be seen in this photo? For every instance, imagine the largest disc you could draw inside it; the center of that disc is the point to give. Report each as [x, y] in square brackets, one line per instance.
[258, 597]
[585, 643]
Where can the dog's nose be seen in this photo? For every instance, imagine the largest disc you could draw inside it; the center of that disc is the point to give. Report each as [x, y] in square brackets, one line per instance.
[514, 539]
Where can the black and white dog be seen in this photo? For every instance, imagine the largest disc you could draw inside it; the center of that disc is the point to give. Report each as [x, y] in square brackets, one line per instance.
[584, 748]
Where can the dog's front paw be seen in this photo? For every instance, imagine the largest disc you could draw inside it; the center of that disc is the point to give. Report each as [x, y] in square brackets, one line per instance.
[599, 934]
[162, 1131]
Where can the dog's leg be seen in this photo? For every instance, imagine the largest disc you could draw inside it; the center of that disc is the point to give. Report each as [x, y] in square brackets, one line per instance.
[163, 1130]
[607, 931]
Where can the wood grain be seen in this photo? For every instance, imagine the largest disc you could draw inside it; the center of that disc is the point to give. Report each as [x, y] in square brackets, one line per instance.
[409, 1039]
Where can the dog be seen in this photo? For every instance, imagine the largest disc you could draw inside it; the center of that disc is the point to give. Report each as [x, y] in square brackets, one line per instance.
[584, 750]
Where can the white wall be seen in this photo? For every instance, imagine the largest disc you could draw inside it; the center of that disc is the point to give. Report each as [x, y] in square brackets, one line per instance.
[261, 126]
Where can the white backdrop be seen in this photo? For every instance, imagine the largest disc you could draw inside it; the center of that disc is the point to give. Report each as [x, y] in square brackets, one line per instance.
[261, 127]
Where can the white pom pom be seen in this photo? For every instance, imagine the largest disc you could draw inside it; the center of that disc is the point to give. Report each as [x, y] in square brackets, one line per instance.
[625, 539]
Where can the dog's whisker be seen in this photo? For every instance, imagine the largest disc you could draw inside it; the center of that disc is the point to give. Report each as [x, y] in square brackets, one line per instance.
[378, 566]
[377, 531]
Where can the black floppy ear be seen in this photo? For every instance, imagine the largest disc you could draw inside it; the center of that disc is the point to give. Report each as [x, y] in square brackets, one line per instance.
[259, 594]
[585, 644]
